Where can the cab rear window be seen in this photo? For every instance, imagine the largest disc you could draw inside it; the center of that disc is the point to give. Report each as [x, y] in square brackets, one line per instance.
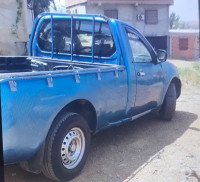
[44, 36]
[104, 45]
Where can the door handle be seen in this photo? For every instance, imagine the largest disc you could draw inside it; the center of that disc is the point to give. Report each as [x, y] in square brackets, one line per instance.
[140, 73]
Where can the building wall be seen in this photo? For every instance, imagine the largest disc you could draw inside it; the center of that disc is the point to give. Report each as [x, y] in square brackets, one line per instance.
[160, 29]
[69, 3]
[29, 20]
[183, 54]
[10, 43]
[80, 9]
[128, 13]
[125, 12]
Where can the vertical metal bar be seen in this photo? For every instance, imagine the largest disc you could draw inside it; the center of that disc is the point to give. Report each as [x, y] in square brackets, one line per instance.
[13, 85]
[72, 38]
[52, 46]
[50, 81]
[93, 29]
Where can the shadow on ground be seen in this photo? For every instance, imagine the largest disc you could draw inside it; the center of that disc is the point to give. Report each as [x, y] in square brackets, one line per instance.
[117, 152]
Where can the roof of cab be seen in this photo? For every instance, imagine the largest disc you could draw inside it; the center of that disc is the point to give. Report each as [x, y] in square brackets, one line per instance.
[76, 16]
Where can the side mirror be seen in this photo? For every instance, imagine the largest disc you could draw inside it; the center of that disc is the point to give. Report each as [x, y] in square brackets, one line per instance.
[161, 55]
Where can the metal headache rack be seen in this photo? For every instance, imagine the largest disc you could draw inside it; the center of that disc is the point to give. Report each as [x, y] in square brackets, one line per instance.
[72, 21]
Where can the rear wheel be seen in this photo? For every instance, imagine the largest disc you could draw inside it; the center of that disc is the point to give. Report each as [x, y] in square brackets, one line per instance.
[67, 147]
[169, 105]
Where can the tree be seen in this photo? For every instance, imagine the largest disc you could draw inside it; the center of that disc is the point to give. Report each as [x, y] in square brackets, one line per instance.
[39, 6]
[174, 21]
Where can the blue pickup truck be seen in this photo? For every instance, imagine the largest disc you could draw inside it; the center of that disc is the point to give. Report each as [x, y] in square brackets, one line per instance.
[85, 73]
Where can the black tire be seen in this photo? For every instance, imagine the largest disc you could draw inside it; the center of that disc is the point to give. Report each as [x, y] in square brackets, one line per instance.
[63, 130]
[169, 105]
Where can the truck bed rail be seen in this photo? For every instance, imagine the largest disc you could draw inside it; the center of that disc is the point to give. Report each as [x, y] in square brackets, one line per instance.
[85, 68]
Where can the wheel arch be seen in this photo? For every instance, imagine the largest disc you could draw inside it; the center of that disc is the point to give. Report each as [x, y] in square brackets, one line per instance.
[177, 83]
[83, 107]
[80, 106]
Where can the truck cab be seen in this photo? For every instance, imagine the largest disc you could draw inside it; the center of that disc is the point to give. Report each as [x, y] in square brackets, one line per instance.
[98, 39]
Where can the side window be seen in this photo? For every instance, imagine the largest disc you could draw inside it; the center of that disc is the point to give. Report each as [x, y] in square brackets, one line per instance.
[104, 45]
[62, 35]
[139, 50]
[44, 36]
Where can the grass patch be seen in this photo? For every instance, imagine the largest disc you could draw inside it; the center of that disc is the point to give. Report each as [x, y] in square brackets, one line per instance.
[197, 67]
[190, 75]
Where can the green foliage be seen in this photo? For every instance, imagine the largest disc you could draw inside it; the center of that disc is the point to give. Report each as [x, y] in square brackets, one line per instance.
[175, 23]
[190, 75]
[40, 6]
[14, 27]
[197, 67]
[173, 20]
[19, 11]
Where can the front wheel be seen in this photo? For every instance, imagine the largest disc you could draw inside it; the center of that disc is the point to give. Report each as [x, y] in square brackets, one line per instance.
[67, 147]
[169, 105]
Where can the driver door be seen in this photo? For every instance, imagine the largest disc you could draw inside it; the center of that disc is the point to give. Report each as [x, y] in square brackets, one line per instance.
[148, 75]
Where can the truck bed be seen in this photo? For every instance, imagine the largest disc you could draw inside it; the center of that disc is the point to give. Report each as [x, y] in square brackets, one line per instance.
[34, 90]
[13, 67]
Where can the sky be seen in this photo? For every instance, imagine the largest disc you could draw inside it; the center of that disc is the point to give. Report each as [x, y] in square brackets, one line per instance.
[186, 9]
[61, 2]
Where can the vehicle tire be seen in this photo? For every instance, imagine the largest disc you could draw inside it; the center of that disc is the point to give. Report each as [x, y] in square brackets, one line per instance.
[67, 147]
[169, 105]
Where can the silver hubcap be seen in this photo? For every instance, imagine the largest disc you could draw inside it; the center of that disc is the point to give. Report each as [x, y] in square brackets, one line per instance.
[73, 147]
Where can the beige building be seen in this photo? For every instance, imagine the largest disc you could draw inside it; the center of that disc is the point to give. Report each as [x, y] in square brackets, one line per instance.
[14, 37]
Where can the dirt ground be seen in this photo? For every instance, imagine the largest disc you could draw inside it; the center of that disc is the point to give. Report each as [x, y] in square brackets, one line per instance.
[145, 150]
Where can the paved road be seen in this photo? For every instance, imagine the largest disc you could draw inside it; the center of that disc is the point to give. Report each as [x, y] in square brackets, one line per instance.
[119, 152]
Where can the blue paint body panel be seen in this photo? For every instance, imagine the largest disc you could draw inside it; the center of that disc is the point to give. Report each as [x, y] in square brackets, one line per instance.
[28, 112]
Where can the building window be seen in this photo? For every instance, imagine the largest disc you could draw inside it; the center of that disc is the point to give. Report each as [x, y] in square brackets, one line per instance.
[183, 44]
[151, 16]
[111, 13]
